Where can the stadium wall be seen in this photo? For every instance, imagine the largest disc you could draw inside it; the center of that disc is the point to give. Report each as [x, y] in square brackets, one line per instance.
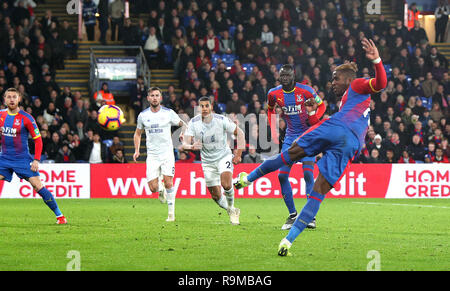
[84, 181]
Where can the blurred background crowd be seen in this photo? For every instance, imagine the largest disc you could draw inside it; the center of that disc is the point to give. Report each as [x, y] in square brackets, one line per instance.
[232, 51]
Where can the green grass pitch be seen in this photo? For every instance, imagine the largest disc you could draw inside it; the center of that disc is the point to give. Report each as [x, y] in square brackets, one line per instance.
[131, 234]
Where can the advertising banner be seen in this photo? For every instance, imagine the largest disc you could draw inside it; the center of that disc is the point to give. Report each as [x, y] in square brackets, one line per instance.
[360, 181]
[62, 180]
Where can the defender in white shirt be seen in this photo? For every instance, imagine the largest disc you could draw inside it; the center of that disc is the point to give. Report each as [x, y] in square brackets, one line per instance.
[157, 121]
[208, 132]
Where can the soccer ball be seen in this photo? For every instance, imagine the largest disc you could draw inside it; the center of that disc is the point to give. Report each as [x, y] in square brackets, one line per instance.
[110, 117]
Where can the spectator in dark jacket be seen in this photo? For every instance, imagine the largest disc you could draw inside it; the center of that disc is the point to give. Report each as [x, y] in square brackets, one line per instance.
[416, 149]
[96, 150]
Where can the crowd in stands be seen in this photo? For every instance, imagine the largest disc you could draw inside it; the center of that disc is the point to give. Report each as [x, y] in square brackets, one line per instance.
[34, 48]
[232, 50]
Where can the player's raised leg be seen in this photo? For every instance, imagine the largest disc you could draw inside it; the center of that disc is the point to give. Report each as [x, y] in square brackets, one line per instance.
[308, 175]
[306, 216]
[285, 158]
[48, 198]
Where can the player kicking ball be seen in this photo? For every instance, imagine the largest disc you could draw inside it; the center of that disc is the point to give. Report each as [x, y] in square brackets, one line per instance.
[208, 132]
[157, 122]
[339, 138]
[15, 126]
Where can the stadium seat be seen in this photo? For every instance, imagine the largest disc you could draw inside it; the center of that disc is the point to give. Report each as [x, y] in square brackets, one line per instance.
[248, 68]
[293, 29]
[215, 58]
[168, 50]
[427, 102]
[222, 106]
[108, 142]
[388, 69]
[231, 30]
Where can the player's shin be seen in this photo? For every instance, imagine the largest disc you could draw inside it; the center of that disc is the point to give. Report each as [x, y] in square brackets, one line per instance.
[222, 202]
[286, 191]
[308, 175]
[270, 165]
[229, 194]
[171, 201]
[50, 201]
[307, 214]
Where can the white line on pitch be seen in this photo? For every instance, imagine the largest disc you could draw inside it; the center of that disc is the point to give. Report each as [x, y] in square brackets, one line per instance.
[399, 204]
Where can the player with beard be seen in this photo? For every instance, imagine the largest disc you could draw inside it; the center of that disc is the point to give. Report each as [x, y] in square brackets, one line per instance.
[292, 98]
[15, 126]
[157, 121]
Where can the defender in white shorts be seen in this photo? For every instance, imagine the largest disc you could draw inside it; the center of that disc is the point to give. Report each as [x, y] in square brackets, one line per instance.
[157, 121]
[208, 133]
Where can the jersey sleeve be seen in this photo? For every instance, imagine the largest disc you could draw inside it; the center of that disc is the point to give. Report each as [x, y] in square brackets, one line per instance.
[140, 123]
[174, 118]
[228, 125]
[373, 85]
[271, 100]
[311, 93]
[33, 129]
[31, 126]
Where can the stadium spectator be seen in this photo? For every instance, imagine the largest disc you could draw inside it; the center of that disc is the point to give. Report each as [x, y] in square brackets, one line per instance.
[119, 157]
[252, 157]
[96, 151]
[69, 38]
[439, 157]
[416, 149]
[104, 95]
[406, 159]
[65, 155]
[89, 11]
[441, 14]
[116, 12]
[185, 157]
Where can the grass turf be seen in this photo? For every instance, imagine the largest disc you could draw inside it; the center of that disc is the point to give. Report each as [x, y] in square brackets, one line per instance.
[131, 234]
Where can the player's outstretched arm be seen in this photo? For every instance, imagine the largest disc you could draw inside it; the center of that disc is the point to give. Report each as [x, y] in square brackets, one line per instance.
[373, 85]
[240, 136]
[137, 143]
[188, 146]
[380, 81]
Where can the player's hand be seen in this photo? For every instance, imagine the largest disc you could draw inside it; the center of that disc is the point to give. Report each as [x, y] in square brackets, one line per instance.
[310, 105]
[181, 138]
[197, 146]
[136, 156]
[34, 166]
[370, 48]
[237, 159]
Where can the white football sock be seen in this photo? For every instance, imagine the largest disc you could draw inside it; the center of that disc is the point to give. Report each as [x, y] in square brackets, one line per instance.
[230, 197]
[171, 200]
[222, 202]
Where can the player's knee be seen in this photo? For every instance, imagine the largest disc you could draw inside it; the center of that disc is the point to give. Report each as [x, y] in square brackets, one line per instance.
[296, 153]
[226, 185]
[168, 184]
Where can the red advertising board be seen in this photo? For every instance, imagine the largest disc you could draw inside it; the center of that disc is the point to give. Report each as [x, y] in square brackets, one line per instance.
[128, 181]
